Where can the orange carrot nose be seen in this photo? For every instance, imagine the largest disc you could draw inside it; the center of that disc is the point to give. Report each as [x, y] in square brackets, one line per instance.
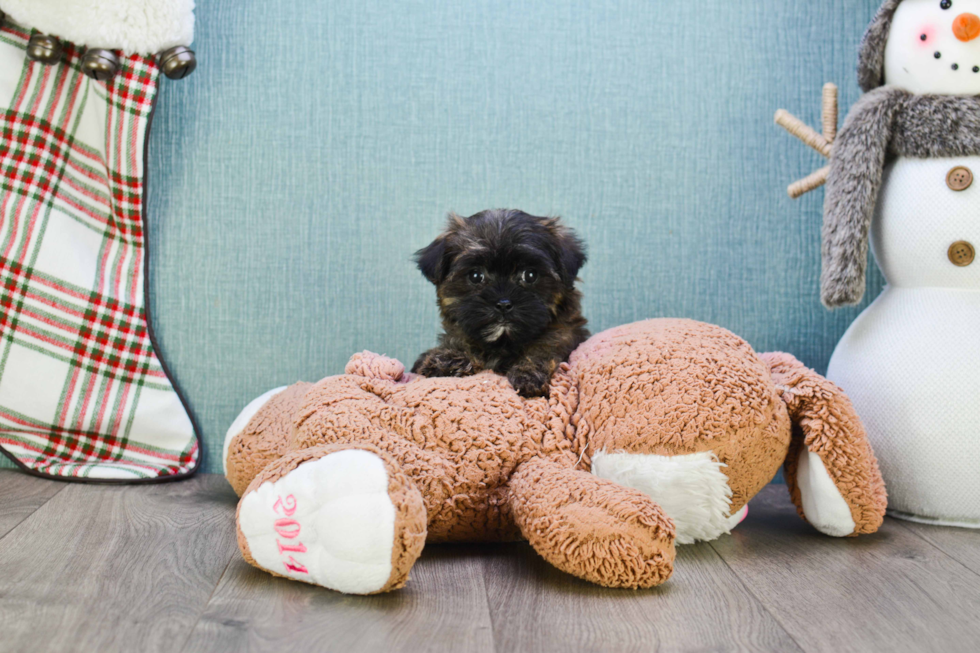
[966, 27]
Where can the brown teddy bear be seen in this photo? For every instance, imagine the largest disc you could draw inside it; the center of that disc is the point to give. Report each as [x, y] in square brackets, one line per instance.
[654, 433]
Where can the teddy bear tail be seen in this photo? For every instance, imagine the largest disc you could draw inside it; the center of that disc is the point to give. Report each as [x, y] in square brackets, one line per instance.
[831, 470]
[592, 528]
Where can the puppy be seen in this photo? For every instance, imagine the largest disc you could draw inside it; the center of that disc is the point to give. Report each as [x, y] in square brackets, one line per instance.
[505, 283]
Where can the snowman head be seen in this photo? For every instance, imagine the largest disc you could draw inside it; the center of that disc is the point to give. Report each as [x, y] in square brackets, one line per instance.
[928, 47]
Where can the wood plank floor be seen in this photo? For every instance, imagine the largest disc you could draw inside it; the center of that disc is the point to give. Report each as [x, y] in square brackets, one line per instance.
[156, 568]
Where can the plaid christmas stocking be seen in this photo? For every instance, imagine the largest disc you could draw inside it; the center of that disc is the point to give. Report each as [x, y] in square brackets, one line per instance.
[83, 393]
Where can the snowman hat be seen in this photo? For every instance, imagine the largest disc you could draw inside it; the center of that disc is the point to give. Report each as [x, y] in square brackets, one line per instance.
[871, 60]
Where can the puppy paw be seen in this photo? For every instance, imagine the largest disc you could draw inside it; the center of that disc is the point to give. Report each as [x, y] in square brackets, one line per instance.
[529, 382]
[444, 362]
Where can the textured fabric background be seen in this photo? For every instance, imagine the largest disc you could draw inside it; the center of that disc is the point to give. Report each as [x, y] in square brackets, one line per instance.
[320, 143]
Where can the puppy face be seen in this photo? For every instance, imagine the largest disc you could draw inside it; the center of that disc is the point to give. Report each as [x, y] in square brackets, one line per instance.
[502, 275]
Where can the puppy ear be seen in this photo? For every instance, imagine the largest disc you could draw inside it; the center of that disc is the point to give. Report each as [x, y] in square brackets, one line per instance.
[433, 260]
[570, 251]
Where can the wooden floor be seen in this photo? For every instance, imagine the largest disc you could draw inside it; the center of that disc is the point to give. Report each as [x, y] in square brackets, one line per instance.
[156, 568]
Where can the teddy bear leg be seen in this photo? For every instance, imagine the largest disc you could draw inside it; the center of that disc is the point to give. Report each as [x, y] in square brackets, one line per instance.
[260, 433]
[341, 516]
[831, 470]
[592, 528]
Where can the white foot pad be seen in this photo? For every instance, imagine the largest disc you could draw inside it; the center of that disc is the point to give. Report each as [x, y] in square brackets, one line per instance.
[692, 489]
[823, 505]
[328, 522]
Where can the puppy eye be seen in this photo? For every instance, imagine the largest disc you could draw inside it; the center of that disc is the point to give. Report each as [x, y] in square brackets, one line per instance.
[475, 276]
[529, 276]
[946, 4]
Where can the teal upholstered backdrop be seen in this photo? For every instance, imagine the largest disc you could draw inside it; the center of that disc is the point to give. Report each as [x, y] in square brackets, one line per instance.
[320, 143]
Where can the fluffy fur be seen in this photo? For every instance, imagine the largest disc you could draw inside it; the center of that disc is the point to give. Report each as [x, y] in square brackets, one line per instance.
[133, 26]
[692, 488]
[506, 290]
[887, 122]
[871, 60]
[831, 429]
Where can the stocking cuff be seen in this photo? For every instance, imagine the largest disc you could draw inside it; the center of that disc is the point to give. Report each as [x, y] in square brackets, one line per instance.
[133, 26]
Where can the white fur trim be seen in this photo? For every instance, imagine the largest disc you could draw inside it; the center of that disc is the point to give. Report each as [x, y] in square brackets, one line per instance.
[133, 26]
[242, 421]
[343, 520]
[692, 489]
[823, 504]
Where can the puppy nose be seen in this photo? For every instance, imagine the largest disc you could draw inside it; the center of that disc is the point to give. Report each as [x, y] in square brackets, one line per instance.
[505, 305]
[966, 27]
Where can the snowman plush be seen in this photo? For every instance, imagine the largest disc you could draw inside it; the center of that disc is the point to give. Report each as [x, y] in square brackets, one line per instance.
[904, 170]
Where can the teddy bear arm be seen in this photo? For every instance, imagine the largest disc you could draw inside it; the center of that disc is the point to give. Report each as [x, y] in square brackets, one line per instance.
[590, 527]
[831, 470]
[376, 366]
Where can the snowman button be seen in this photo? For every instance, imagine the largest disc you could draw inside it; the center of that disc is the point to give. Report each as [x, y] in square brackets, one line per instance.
[961, 253]
[959, 178]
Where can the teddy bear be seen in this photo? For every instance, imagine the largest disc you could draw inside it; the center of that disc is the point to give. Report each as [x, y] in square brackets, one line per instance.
[653, 434]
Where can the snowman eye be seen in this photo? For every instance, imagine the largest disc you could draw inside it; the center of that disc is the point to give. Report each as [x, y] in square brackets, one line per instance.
[946, 4]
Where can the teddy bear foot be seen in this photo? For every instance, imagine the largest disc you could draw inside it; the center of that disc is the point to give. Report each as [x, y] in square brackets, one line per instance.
[343, 517]
[592, 528]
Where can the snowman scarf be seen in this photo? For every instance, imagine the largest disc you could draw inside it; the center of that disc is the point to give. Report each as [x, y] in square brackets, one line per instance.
[887, 122]
[83, 392]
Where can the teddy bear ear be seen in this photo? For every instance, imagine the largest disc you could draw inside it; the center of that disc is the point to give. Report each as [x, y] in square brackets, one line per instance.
[871, 59]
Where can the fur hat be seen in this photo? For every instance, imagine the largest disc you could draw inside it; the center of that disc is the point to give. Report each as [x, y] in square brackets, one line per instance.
[871, 59]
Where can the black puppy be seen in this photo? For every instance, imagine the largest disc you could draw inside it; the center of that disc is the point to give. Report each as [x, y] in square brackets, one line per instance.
[505, 283]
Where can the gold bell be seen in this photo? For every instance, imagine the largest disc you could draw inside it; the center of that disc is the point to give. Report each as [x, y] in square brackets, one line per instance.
[44, 48]
[101, 65]
[178, 62]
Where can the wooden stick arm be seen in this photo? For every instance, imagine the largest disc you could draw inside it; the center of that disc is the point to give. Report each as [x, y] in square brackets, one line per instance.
[830, 112]
[822, 143]
[814, 181]
[802, 131]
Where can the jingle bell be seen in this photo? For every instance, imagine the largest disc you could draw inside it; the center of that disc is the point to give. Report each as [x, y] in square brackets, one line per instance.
[99, 64]
[178, 62]
[44, 48]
